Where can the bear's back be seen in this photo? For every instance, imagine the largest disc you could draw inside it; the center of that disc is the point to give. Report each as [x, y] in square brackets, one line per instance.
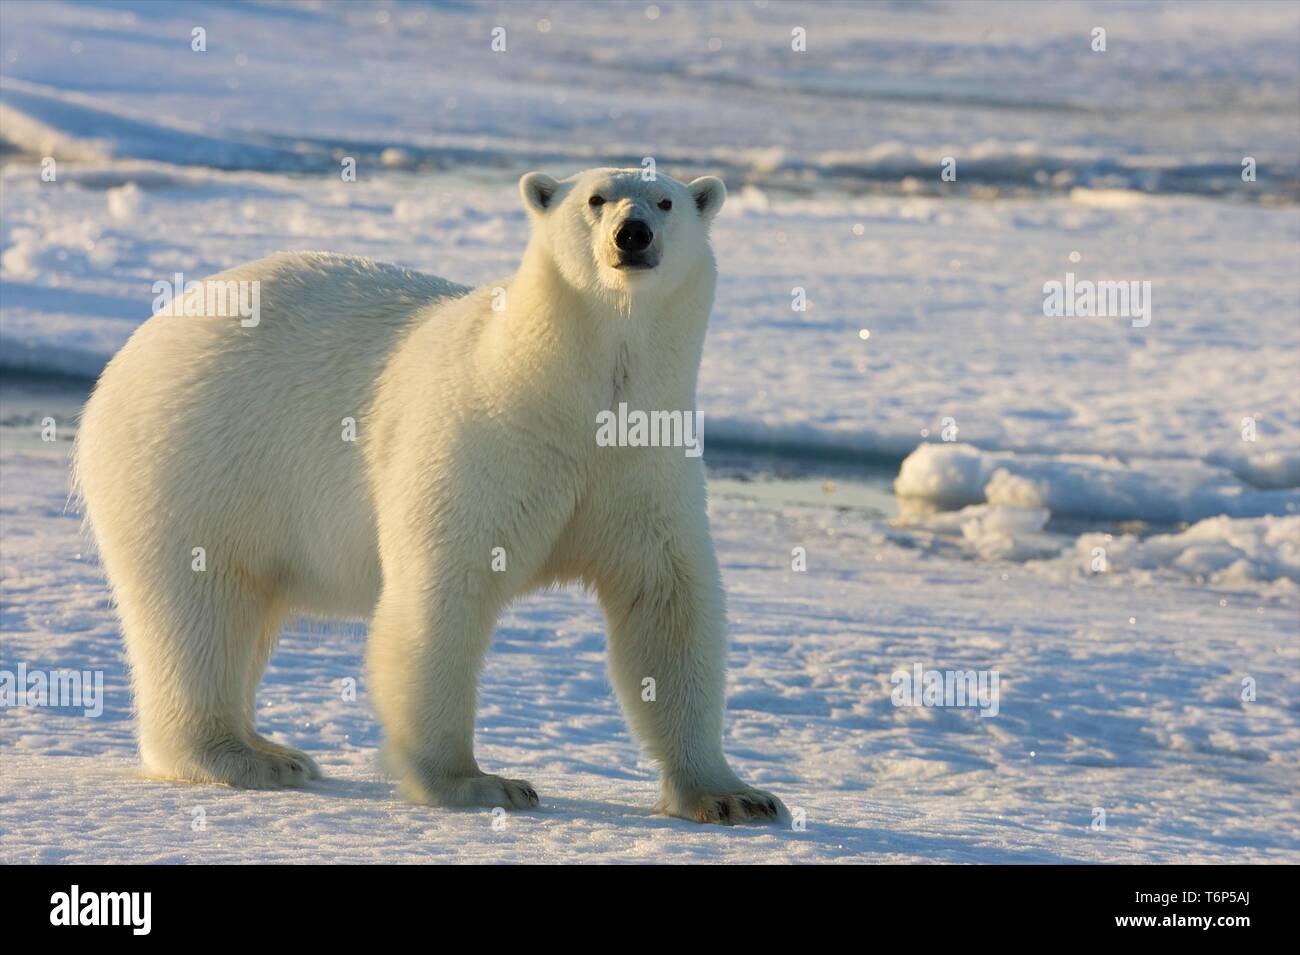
[342, 297]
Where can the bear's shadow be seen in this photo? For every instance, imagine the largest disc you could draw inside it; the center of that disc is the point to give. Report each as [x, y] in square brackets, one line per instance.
[830, 840]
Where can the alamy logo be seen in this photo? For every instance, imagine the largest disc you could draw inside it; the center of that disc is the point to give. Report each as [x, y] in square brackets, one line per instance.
[210, 298]
[1088, 299]
[103, 908]
[63, 689]
[654, 429]
[922, 687]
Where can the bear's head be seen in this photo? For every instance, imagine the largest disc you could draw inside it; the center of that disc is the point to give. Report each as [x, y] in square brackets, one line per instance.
[613, 230]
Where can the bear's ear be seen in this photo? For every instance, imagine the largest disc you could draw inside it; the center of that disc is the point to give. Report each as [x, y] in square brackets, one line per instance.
[709, 193]
[537, 190]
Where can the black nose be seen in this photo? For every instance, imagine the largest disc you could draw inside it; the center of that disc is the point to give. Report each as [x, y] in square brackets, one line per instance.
[633, 236]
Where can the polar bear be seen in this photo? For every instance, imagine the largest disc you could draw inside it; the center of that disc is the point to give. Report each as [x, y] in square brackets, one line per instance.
[225, 491]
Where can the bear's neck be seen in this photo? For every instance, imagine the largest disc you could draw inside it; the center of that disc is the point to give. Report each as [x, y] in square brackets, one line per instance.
[594, 349]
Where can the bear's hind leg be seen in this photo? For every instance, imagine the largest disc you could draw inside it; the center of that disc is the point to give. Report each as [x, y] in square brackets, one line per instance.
[191, 639]
[271, 626]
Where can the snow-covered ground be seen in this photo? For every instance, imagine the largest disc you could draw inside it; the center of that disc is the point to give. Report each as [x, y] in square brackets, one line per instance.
[1173, 447]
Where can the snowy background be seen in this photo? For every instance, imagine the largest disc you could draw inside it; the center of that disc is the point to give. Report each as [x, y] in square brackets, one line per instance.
[1120, 690]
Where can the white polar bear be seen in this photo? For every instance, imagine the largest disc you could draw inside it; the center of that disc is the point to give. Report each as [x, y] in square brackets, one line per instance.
[475, 417]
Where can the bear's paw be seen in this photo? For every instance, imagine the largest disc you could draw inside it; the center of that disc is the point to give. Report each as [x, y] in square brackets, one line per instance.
[726, 808]
[485, 790]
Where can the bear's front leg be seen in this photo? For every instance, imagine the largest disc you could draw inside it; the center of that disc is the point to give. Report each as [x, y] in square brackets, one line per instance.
[426, 648]
[667, 643]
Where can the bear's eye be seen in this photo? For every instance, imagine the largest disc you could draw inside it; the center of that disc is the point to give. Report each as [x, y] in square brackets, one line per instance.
[596, 201]
[665, 204]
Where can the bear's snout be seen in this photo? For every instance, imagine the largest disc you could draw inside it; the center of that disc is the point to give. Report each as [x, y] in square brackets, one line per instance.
[633, 235]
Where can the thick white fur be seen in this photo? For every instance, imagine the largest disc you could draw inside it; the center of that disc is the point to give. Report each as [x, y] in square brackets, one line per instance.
[476, 430]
